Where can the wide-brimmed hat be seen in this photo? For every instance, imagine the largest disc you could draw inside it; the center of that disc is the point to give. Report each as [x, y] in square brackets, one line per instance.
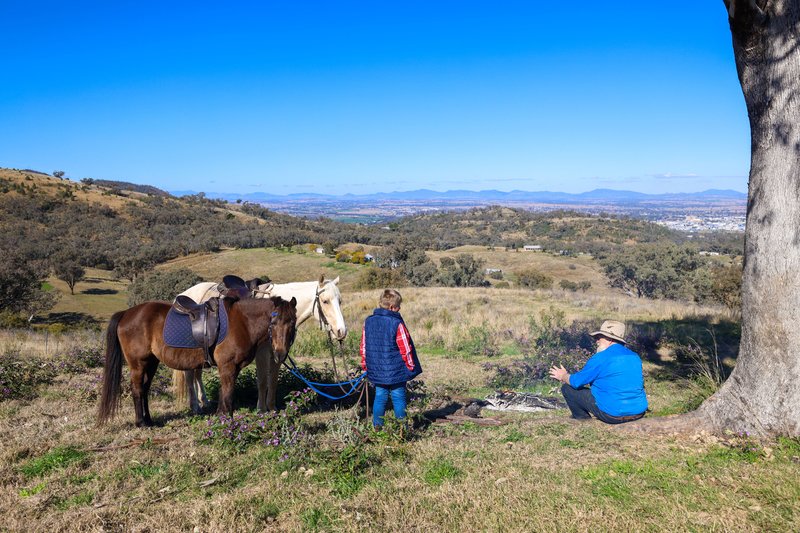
[613, 330]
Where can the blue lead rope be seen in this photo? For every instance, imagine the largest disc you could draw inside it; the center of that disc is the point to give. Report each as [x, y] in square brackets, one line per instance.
[353, 383]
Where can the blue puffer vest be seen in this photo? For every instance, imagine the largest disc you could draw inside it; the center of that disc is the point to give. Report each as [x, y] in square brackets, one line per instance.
[385, 366]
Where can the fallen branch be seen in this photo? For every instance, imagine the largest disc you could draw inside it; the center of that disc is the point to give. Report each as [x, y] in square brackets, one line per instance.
[134, 442]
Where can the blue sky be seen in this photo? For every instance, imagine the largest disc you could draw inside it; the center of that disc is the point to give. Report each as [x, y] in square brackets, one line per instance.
[337, 96]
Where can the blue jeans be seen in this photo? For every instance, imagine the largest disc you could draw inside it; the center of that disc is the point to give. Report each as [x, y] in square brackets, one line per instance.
[582, 404]
[382, 393]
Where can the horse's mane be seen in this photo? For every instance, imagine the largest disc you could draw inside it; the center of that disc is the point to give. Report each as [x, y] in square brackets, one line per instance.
[277, 302]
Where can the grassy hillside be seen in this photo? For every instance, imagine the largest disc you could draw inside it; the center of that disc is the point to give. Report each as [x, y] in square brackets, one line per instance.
[279, 265]
[100, 295]
[502, 472]
[97, 297]
[511, 261]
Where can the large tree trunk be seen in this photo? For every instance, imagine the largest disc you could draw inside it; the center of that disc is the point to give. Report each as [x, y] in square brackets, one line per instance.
[762, 395]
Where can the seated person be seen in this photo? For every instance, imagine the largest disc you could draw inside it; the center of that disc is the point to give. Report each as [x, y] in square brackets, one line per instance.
[615, 375]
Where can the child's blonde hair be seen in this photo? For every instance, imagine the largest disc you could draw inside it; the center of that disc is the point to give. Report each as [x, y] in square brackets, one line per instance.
[390, 298]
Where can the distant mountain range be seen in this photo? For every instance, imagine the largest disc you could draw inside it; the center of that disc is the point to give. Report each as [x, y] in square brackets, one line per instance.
[426, 195]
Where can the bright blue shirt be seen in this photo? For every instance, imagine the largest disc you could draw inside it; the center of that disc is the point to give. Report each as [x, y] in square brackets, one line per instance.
[615, 375]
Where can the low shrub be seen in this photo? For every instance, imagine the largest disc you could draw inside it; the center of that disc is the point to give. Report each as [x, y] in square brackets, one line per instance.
[79, 359]
[245, 429]
[348, 469]
[12, 320]
[20, 377]
[568, 285]
[246, 391]
[479, 341]
[529, 372]
[548, 342]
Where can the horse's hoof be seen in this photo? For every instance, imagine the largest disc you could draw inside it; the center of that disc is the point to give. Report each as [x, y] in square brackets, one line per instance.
[145, 424]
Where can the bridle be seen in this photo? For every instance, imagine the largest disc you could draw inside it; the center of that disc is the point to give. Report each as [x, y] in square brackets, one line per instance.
[325, 326]
[316, 307]
[272, 322]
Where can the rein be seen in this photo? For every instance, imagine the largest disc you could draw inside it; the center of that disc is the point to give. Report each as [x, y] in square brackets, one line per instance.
[348, 387]
[325, 326]
[355, 384]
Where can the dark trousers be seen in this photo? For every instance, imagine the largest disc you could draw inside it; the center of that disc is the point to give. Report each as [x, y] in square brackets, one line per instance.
[581, 402]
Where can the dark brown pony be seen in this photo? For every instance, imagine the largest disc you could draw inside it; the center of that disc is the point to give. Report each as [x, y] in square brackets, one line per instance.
[137, 334]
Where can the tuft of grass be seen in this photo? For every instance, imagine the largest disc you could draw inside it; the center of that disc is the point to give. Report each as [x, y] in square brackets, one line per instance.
[317, 519]
[515, 435]
[78, 500]
[556, 429]
[56, 459]
[440, 470]
[349, 468]
[255, 507]
[27, 493]
[147, 471]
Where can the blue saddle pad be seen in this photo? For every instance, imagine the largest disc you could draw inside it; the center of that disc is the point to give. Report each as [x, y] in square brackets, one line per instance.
[178, 329]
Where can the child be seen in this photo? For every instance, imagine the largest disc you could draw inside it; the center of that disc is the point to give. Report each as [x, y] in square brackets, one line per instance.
[388, 355]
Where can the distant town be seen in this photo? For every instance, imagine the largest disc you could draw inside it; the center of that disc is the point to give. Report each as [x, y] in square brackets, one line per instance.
[685, 215]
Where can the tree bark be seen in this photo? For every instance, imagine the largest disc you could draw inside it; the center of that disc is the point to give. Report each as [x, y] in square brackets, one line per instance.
[762, 395]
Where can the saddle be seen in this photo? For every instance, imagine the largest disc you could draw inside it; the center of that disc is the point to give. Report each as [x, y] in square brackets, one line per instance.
[204, 319]
[239, 289]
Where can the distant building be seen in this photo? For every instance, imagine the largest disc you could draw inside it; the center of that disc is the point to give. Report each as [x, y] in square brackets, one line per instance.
[494, 270]
[368, 258]
[704, 252]
[532, 248]
[319, 250]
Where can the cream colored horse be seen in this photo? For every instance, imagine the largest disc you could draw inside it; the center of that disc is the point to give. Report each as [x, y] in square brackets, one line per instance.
[320, 299]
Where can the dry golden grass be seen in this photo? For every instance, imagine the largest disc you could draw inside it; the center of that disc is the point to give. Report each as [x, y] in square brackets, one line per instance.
[575, 269]
[442, 315]
[94, 194]
[98, 295]
[537, 472]
[533, 472]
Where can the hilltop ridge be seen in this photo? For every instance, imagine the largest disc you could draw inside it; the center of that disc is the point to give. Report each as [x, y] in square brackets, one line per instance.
[596, 195]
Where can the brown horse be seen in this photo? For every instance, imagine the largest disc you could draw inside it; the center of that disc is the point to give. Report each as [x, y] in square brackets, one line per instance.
[137, 334]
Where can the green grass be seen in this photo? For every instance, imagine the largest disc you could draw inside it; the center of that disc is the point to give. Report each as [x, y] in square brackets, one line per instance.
[32, 491]
[534, 468]
[56, 459]
[440, 470]
[317, 518]
[78, 500]
[147, 471]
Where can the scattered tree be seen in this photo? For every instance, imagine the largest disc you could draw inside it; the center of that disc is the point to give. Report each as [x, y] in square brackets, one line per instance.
[533, 279]
[463, 271]
[21, 289]
[67, 268]
[160, 285]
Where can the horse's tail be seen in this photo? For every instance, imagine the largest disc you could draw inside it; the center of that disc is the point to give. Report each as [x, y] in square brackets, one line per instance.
[112, 374]
[179, 386]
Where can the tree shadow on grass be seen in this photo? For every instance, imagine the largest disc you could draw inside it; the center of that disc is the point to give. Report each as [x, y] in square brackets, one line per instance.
[98, 292]
[675, 345]
[69, 319]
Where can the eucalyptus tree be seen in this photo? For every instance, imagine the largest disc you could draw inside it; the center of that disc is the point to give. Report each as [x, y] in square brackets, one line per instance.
[762, 395]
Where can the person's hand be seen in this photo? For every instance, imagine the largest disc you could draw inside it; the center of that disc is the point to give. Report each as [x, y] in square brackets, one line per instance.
[559, 373]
